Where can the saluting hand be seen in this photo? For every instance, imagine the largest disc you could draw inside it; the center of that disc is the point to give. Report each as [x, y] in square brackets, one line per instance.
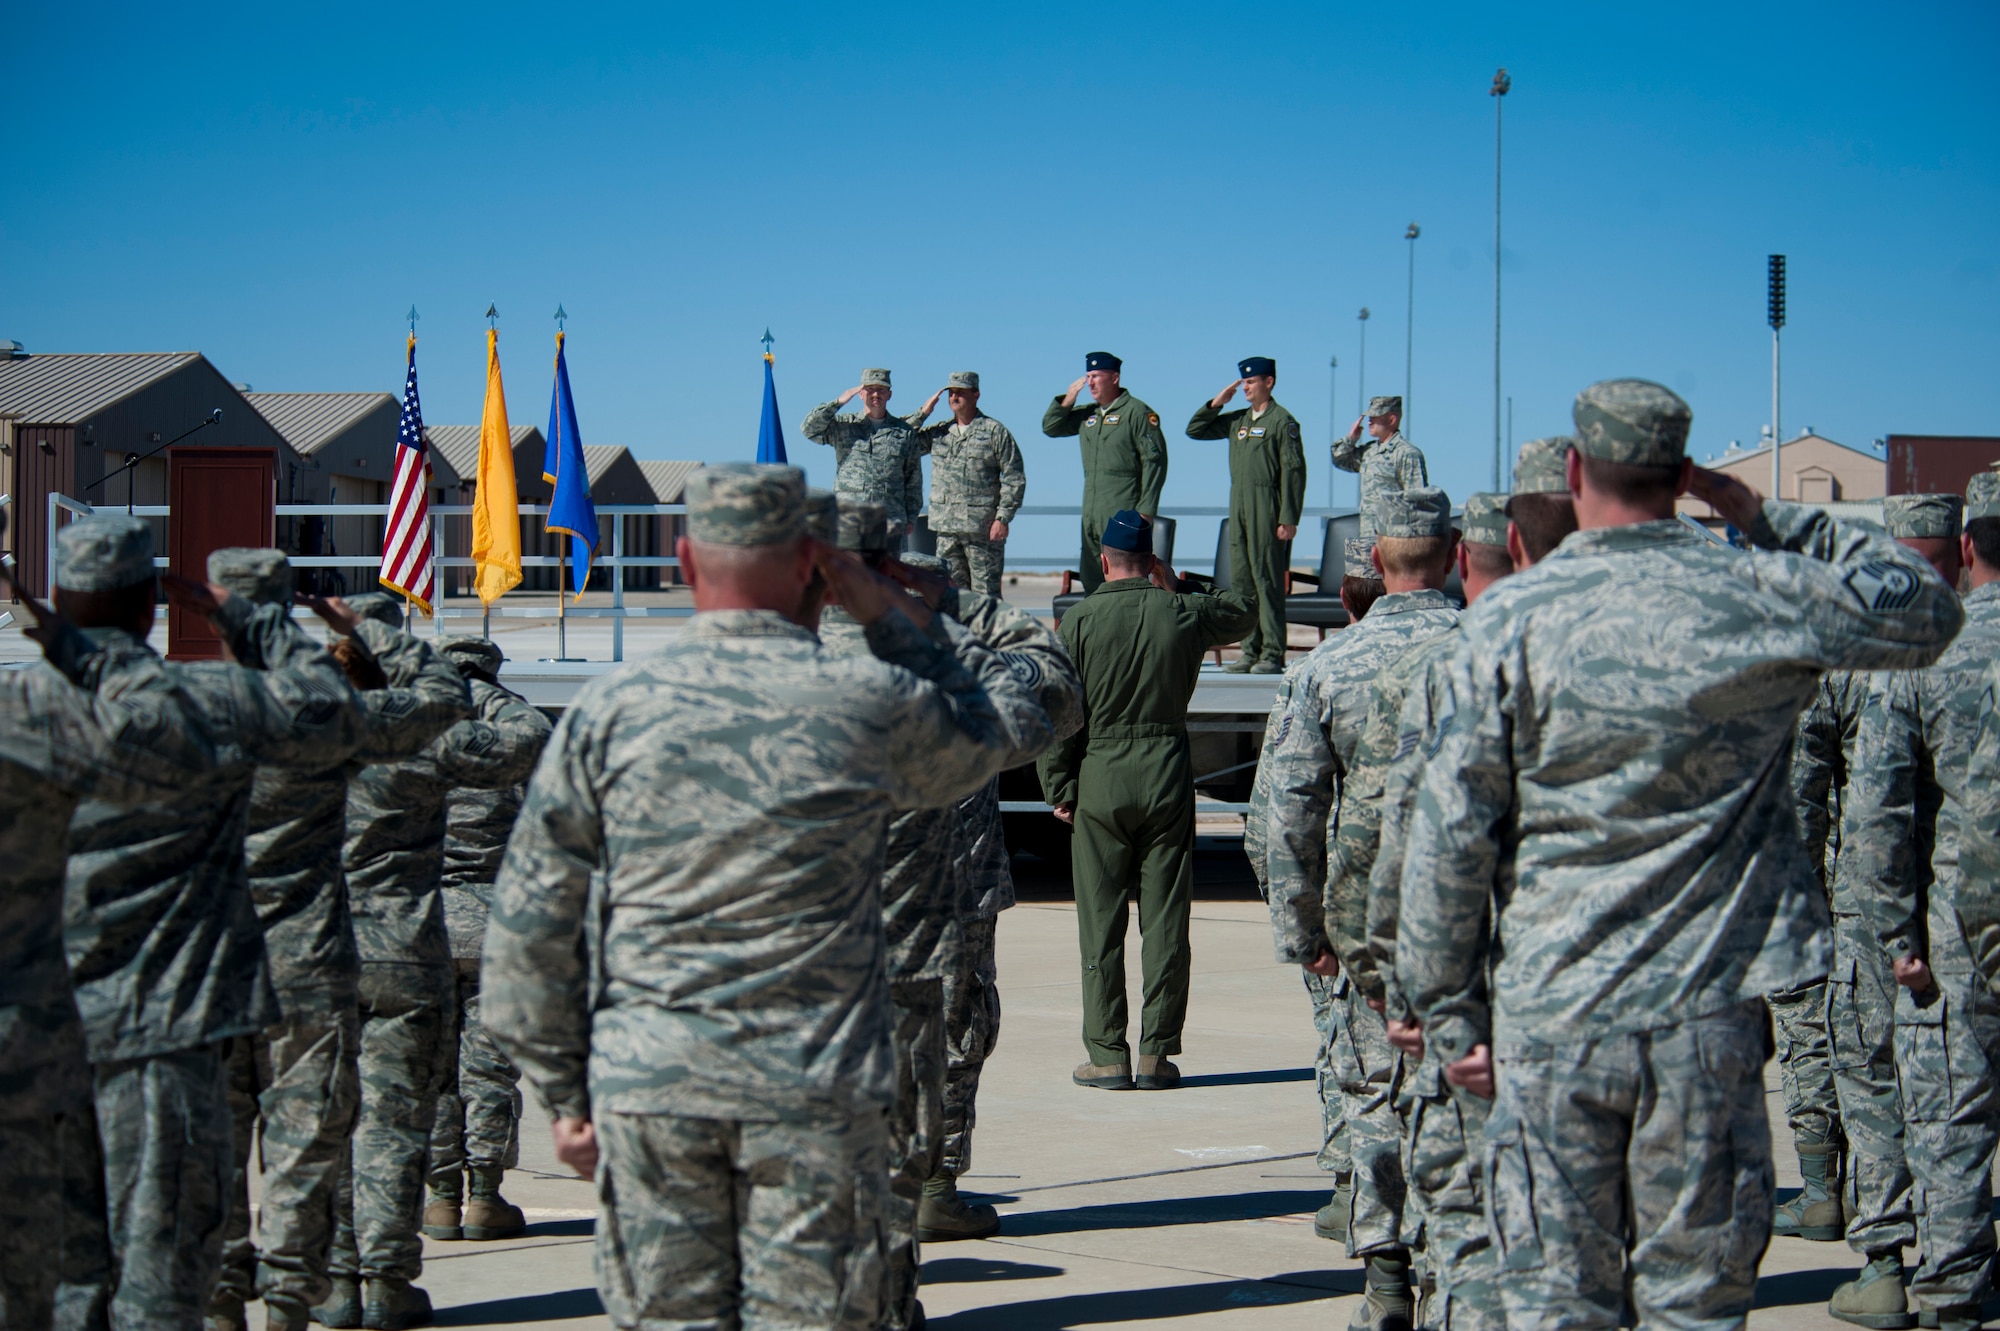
[339, 616]
[848, 396]
[1354, 430]
[204, 598]
[926, 584]
[1736, 502]
[863, 592]
[1221, 399]
[930, 403]
[1069, 398]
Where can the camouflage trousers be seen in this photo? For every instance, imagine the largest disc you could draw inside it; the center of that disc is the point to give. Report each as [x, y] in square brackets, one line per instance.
[1369, 1071]
[975, 562]
[1860, 1027]
[1444, 1144]
[294, 1088]
[916, 1138]
[144, 1193]
[971, 1031]
[709, 1223]
[31, 1228]
[378, 1204]
[1328, 1002]
[478, 1123]
[1805, 1062]
[1947, 1040]
[1638, 1162]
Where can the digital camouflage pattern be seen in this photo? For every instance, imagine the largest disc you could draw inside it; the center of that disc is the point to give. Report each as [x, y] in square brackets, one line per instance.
[1124, 465]
[1485, 519]
[1542, 466]
[746, 503]
[1979, 848]
[1384, 464]
[1267, 490]
[1900, 861]
[479, 819]
[982, 867]
[1934, 516]
[875, 462]
[976, 475]
[1633, 421]
[477, 1130]
[1413, 513]
[971, 1031]
[915, 1140]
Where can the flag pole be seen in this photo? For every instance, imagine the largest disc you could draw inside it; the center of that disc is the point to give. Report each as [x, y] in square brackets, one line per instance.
[562, 623]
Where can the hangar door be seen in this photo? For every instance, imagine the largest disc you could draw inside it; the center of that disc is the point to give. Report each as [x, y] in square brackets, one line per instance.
[219, 497]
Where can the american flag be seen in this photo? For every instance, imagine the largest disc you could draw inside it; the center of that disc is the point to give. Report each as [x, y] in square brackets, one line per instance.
[406, 548]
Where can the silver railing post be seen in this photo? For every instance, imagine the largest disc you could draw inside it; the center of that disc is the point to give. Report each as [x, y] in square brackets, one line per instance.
[618, 587]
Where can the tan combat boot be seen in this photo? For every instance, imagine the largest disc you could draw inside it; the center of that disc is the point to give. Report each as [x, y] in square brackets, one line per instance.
[225, 1313]
[489, 1215]
[443, 1218]
[342, 1308]
[1103, 1076]
[943, 1216]
[1330, 1221]
[1388, 1303]
[394, 1305]
[1152, 1072]
[1816, 1213]
[1875, 1298]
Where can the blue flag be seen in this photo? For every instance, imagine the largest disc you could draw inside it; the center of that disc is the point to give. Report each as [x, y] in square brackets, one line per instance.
[570, 509]
[770, 434]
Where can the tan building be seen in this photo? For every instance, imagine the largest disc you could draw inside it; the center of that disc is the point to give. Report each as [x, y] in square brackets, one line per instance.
[1813, 470]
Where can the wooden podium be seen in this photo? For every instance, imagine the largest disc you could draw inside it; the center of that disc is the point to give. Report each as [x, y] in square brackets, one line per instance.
[220, 497]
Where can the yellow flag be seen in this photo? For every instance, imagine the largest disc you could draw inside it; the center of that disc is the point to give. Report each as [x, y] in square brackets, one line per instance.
[496, 527]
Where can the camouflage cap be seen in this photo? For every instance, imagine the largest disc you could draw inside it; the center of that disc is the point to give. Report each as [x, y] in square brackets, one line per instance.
[928, 563]
[1485, 519]
[746, 503]
[1384, 406]
[1542, 466]
[966, 379]
[1415, 513]
[1913, 516]
[864, 528]
[474, 656]
[1634, 421]
[378, 606]
[822, 516]
[262, 575]
[1982, 494]
[1359, 561]
[874, 374]
[104, 552]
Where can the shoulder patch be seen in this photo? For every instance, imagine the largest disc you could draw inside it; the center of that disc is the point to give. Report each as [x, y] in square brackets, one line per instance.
[1882, 586]
[1291, 429]
[1152, 418]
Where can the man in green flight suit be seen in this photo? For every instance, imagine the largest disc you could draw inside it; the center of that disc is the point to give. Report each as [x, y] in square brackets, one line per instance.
[1267, 488]
[1124, 453]
[1124, 783]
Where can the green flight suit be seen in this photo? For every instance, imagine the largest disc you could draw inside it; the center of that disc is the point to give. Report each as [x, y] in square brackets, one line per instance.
[1267, 489]
[1124, 465]
[1128, 773]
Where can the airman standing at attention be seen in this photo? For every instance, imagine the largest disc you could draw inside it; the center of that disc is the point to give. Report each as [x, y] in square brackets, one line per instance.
[1540, 511]
[977, 484]
[1124, 453]
[1387, 461]
[875, 454]
[1267, 489]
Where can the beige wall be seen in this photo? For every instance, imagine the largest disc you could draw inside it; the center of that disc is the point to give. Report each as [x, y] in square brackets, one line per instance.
[1815, 471]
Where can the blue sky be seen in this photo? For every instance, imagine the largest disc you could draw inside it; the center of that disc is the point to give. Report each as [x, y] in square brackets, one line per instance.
[936, 187]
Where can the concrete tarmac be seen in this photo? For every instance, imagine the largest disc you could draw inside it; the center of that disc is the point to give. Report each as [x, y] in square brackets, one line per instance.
[1185, 1208]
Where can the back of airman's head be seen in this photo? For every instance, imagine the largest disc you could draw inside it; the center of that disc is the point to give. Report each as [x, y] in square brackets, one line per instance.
[1923, 516]
[260, 575]
[1982, 515]
[746, 504]
[476, 658]
[1484, 521]
[104, 552]
[1413, 532]
[1542, 466]
[1635, 422]
[378, 606]
[823, 516]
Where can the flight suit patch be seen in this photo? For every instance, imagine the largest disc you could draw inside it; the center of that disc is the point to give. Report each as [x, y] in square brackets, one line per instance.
[1258, 432]
[1111, 420]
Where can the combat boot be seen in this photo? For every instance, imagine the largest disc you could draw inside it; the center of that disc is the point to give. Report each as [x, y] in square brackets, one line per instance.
[1330, 1221]
[943, 1215]
[1152, 1072]
[1387, 1302]
[1953, 1317]
[1817, 1212]
[443, 1218]
[1242, 665]
[342, 1308]
[489, 1215]
[225, 1313]
[1875, 1298]
[395, 1304]
[282, 1314]
[1268, 667]
[1103, 1076]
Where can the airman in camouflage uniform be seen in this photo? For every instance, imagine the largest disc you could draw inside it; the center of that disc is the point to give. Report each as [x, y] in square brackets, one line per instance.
[1540, 511]
[162, 937]
[63, 739]
[1313, 760]
[1605, 818]
[393, 856]
[876, 457]
[1267, 490]
[1900, 860]
[294, 1086]
[1442, 1124]
[977, 485]
[732, 1088]
[476, 1135]
[1124, 453]
[1386, 460]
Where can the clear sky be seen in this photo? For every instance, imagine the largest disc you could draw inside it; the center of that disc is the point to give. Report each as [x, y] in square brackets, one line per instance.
[1003, 188]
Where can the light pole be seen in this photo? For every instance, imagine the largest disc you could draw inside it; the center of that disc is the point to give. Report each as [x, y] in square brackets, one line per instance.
[1332, 417]
[1410, 324]
[1361, 378]
[1501, 85]
[1775, 315]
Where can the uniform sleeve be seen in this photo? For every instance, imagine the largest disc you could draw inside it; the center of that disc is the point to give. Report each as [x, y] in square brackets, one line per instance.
[913, 485]
[127, 742]
[1816, 770]
[1059, 767]
[1305, 783]
[426, 695]
[292, 706]
[1037, 661]
[1869, 603]
[534, 977]
[1256, 819]
[1385, 878]
[823, 427]
[1410, 468]
[1152, 446]
[1222, 617]
[923, 438]
[946, 736]
[1347, 453]
[1013, 476]
[1060, 422]
[496, 751]
[1979, 840]
[1209, 422]
[1452, 854]
[1291, 475]
[1356, 837]
[1883, 867]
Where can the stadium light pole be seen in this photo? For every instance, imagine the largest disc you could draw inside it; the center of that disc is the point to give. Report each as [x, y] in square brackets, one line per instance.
[1501, 85]
[1410, 323]
[1775, 316]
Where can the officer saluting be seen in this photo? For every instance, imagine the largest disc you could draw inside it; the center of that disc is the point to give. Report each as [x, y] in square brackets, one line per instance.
[1267, 488]
[1124, 453]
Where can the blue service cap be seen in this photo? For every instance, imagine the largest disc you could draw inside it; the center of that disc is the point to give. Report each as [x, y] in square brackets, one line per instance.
[1101, 360]
[1130, 531]
[1256, 367]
